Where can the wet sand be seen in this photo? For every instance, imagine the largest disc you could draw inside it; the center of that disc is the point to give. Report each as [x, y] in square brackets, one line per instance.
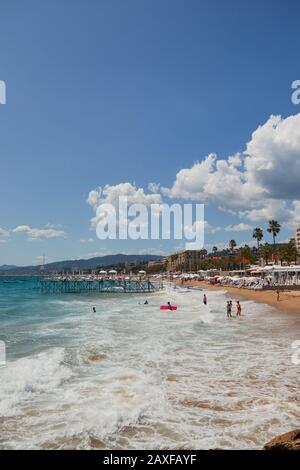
[289, 300]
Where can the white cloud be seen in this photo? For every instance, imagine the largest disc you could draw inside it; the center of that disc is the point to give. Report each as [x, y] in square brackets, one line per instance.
[110, 195]
[154, 187]
[37, 233]
[88, 240]
[190, 182]
[256, 184]
[4, 232]
[238, 227]
[273, 157]
[40, 259]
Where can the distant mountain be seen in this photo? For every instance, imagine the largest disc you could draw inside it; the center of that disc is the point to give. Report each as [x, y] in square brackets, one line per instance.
[5, 267]
[80, 264]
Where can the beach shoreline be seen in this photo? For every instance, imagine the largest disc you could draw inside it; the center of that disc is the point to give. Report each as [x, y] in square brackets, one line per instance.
[289, 300]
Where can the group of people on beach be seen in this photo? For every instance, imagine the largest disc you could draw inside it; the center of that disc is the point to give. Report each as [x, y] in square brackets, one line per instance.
[238, 308]
[229, 307]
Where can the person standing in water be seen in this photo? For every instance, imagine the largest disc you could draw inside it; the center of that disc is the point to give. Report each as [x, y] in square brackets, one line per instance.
[229, 309]
[238, 309]
[94, 310]
[205, 299]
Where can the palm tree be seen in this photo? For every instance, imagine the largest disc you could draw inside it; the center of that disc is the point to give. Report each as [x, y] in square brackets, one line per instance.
[258, 234]
[274, 229]
[232, 245]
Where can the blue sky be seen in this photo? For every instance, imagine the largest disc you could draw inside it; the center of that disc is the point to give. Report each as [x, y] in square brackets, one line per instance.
[107, 92]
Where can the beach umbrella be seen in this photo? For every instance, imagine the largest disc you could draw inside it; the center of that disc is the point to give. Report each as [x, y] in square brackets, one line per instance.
[112, 271]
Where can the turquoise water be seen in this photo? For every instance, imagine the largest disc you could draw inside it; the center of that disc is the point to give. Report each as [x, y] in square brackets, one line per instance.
[133, 376]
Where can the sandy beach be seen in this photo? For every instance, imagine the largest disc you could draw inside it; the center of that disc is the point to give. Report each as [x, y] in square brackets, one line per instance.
[289, 300]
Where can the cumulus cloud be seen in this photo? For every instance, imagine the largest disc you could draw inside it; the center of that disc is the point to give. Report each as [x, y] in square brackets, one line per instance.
[273, 157]
[110, 194]
[190, 182]
[37, 233]
[4, 232]
[238, 227]
[257, 184]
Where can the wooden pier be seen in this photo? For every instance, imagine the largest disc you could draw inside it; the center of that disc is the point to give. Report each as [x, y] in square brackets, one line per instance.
[116, 286]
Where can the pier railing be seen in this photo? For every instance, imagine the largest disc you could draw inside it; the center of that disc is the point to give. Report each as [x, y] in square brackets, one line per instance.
[121, 286]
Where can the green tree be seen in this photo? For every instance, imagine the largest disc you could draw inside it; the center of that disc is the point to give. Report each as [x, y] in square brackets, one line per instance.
[287, 253]
[274, 229]
[266, 252]
[258, 234]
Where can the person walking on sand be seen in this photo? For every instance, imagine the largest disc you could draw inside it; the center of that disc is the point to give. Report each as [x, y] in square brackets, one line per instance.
[205, 299]
[238, 309]
[278, 295]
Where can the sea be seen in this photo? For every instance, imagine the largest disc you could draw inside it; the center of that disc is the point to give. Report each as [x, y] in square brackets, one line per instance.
[132, 376]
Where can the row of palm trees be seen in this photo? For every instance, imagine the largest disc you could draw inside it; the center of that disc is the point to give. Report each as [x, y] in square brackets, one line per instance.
[258, 234]
[285, 252]
[273, 228]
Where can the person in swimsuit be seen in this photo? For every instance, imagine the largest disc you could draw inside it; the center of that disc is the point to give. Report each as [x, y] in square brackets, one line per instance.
[228, 309]
[205, 299]
[238, 309]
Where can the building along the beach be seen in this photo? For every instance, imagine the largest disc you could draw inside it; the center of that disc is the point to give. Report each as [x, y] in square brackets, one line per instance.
[185, 260]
